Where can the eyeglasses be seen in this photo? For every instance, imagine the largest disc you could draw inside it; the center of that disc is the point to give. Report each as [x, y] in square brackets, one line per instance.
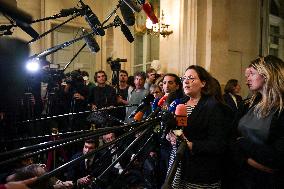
[189, 78]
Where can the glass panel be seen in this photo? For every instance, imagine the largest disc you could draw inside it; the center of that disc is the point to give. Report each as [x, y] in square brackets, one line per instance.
[137, 68]
[273, 51]
[138, 51]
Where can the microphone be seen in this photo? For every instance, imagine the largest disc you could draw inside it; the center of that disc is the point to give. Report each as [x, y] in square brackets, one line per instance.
[67, 12]
[91, 42]
[127, 14]
[93, 21]
[139, 116]
[159, 106]
[162, 100]
[155, 104]
[127, 33]
[142, 107]
[150, 13]
[181, 115]
[133, 5]
[181, 119]
[173, 105]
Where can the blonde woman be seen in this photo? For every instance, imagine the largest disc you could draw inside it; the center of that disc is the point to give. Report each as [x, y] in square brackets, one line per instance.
[261, 142]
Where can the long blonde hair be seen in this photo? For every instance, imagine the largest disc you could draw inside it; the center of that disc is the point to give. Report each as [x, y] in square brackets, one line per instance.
[272, 69]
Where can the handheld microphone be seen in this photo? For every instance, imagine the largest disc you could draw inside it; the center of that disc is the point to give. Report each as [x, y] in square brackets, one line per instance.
[139, 116]
[127, 33]
[94, 22]
[162, 100]
[181, 119]
[173, 105]
[91, 42]
[150, 13]
[133, 5]
[159, 107]
[127, 14]
[181, 115]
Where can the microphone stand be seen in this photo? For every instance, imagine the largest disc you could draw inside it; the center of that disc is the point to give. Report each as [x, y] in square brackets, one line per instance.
[54, 28]
[32, 138]
[112, 13]
[96, 180]
[72, 114]
[46, 146]
[131, 161]
[179, 156]
[43, 147]
[81, 158]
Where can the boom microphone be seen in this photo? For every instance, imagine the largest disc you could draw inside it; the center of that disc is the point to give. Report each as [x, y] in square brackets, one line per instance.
[127, 14]
[71, 11]
[91, 42]
[127, 33]
[135, 7]
[94, 22]
[150, 13]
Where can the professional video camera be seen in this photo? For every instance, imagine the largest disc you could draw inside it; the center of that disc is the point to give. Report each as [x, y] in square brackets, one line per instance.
[115, 64]
[75, 79]
[115, 67]
[53, 76]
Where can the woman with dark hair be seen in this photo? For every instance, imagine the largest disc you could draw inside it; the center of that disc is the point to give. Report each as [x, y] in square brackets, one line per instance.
[205, 134]
[259, 148]
[231, 97]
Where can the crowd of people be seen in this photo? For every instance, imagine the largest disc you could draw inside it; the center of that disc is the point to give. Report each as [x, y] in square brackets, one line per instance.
[230, 142]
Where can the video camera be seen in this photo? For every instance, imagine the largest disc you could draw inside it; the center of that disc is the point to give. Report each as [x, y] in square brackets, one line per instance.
[115, 64]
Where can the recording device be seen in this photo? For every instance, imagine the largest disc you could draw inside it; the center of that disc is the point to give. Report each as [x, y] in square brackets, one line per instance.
[173, 105]
[70, 11]
[124, 29]
[133, 5]
[143, 106]
[181, 119]
[127, 33]
[53, 76]
[115, 63]
[91, 42]
[155, 104]
[22, 19]
[92, 19]
[127, 14]
[115, 67]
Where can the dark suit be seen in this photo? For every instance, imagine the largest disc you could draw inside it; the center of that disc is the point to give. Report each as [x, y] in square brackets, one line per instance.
[208, 129]
[79, 170]
[231, 103]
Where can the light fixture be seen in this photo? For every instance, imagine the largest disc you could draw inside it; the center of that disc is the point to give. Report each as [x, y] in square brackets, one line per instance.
[161, 28]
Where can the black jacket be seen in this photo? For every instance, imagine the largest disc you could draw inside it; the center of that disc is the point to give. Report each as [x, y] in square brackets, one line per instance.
[208, 129]
[230, 102]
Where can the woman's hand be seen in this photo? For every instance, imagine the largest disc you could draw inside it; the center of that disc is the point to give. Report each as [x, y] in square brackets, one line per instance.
[259, 166]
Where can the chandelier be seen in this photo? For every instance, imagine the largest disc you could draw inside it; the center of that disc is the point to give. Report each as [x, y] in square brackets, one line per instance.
[162, 27]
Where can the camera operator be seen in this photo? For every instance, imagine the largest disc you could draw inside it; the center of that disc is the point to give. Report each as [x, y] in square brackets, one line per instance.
[76, 91]
[74, 96]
